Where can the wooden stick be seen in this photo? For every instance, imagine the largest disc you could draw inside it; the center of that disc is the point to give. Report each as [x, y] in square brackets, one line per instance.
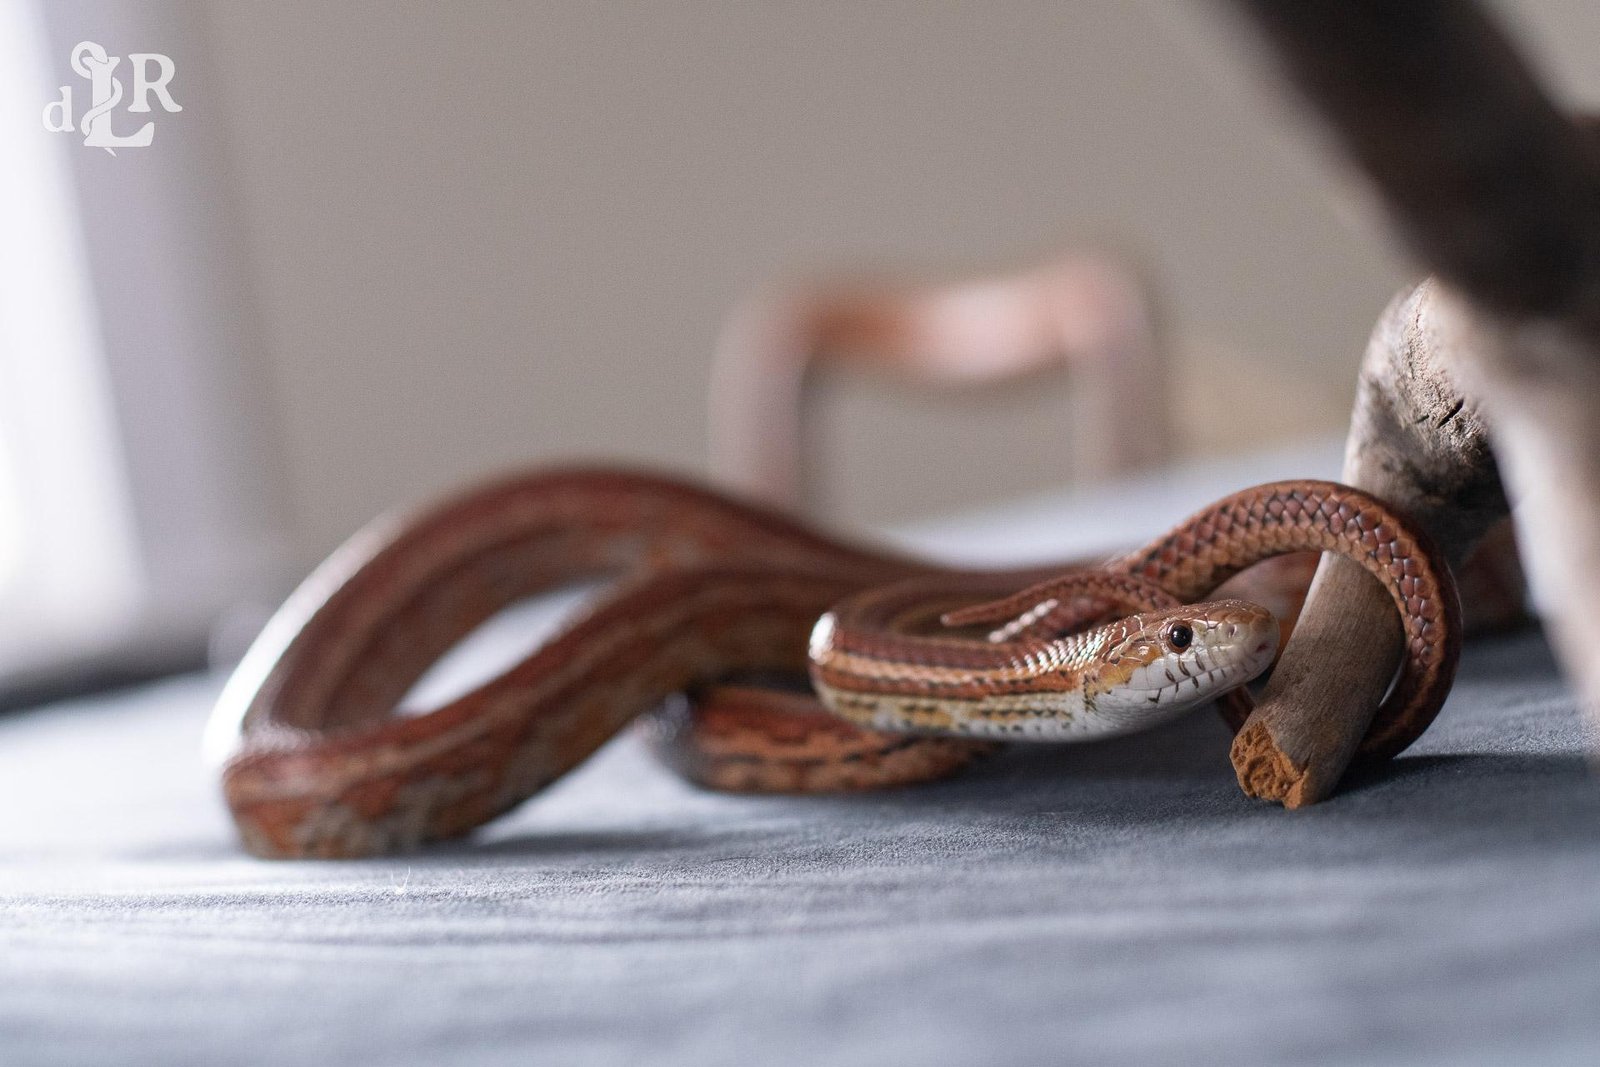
[1417, 441]
[1499, 193]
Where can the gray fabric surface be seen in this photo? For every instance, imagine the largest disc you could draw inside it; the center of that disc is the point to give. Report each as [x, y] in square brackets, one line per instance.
[1119, 902]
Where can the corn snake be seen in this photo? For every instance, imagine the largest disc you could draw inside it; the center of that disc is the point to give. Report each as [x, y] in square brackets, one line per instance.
[314, 763]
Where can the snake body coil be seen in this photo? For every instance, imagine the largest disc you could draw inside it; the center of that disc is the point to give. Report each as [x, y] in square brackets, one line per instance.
[316, 764]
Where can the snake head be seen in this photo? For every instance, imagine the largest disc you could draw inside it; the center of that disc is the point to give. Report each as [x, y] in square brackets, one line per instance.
[1159, 663]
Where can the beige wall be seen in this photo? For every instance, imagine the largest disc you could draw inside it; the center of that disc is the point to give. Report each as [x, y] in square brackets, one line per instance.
[484, 233]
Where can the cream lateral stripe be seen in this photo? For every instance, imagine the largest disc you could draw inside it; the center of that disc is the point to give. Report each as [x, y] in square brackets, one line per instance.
[1033, 666]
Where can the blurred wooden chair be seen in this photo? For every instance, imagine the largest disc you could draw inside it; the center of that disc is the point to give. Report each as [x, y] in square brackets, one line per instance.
[1087, 316]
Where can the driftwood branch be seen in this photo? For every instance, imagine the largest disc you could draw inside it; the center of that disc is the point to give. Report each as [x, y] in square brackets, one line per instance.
[1419, 442]
[1497, 192]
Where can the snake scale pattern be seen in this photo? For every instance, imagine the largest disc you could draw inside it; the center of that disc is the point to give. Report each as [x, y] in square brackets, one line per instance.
[923, 667]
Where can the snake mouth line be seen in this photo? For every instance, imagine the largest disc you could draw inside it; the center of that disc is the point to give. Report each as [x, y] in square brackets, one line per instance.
[1172, 691]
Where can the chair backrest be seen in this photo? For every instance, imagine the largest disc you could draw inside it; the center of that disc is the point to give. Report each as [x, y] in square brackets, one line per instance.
[1087, 315]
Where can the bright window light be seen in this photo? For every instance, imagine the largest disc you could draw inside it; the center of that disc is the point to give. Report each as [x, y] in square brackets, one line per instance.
[68, 567]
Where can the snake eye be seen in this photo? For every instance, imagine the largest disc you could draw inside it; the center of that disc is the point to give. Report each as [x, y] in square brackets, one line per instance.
[1180, 636]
